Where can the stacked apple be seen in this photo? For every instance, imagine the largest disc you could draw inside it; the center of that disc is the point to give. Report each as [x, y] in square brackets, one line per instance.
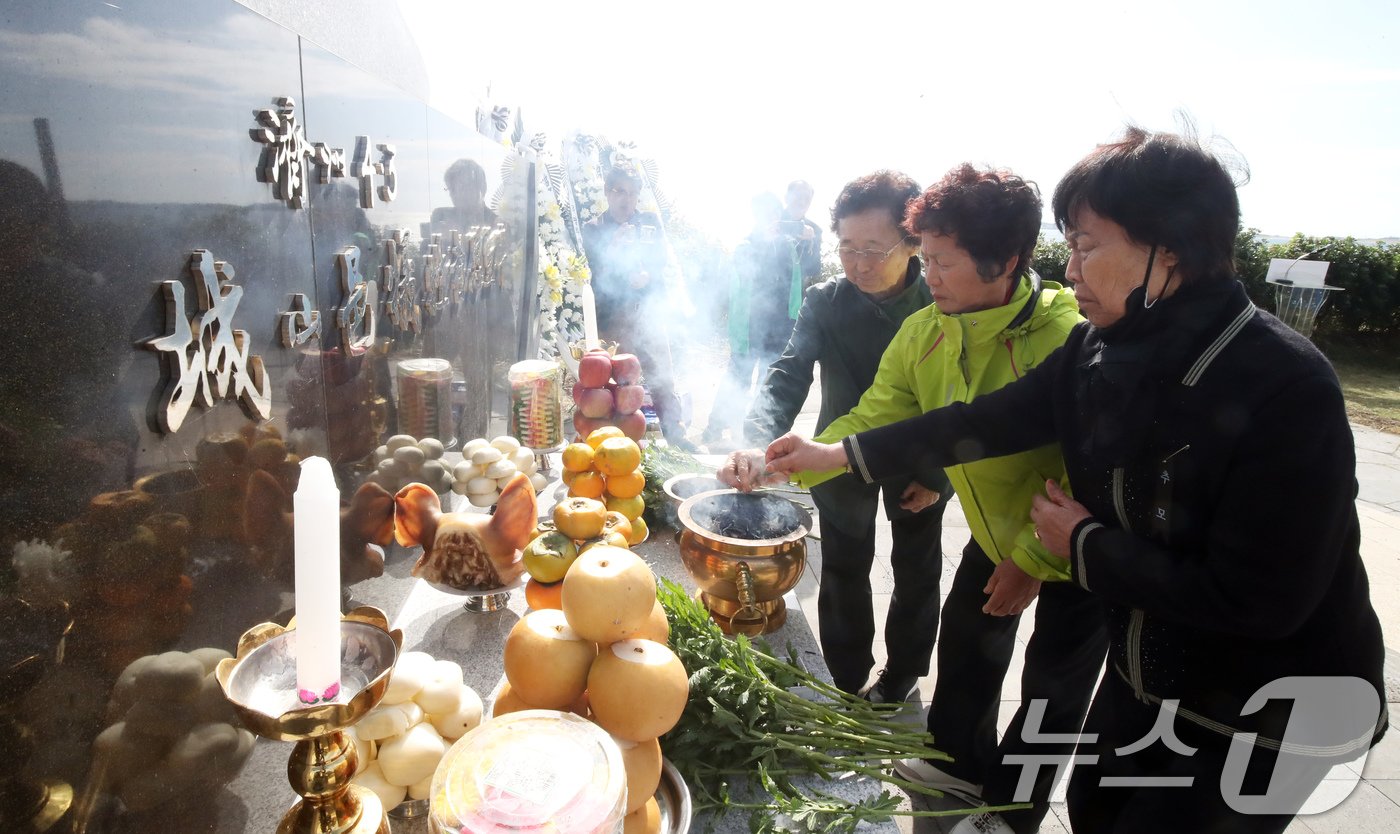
[604, 656]
[401, 741]
[609, 393]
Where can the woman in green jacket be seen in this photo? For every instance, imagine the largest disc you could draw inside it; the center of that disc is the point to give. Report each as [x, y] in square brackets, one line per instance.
[992, 320]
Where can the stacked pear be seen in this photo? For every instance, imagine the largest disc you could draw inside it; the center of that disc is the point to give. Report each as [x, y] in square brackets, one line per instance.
[603, 656]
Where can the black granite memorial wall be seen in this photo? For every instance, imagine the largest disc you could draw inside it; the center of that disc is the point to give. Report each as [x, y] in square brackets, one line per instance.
[219, 242]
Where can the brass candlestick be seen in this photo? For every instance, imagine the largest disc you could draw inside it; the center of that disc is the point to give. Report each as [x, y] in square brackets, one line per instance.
[261, 685]
[36, 636]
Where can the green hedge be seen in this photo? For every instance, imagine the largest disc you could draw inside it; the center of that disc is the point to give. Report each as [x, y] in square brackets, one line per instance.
[1366, 314]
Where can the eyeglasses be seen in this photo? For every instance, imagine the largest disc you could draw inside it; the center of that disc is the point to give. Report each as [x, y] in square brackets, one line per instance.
[623, 192]
[870, 255]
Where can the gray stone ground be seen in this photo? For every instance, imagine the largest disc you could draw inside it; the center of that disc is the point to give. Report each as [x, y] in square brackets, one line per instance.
[1372, 807]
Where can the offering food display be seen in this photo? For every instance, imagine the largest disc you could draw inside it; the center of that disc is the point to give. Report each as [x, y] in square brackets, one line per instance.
[535, 770]
[404, 459]
[609, 393]
[171, 730]
[536, 408]
[603, 656]
[606, 466]
[402, 740]
[467, 550]
[487, 466]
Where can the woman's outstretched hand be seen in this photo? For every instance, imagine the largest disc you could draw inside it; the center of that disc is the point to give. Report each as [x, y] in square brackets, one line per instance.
[745, 470]
[793, 453]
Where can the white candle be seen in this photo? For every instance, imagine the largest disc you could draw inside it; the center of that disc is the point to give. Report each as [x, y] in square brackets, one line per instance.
[590, 318]
[317, 525]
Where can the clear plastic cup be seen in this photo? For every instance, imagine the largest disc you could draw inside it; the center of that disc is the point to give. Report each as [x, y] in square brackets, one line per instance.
[425, 399]
[536, 403]
[531, 771]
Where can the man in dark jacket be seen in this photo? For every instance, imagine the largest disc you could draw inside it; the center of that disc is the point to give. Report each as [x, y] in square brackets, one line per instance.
[846, 326]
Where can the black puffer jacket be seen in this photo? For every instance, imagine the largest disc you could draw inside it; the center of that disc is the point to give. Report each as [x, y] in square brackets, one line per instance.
[1212, 447]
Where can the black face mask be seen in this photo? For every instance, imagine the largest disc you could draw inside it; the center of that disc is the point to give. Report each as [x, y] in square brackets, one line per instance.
[1136, 309]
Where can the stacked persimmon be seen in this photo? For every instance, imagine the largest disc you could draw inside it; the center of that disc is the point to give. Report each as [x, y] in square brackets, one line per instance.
[603, 655]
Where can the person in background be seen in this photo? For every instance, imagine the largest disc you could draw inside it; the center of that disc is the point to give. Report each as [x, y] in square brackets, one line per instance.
[627, 254]
[465, 182]
[805, 235]
[845, 325]
[60, 394]
[992, 321]
[1213, 514]
[763, 304]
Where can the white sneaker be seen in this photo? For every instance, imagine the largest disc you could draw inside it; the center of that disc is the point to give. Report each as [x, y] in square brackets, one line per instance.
[923, 773]
[988, 823]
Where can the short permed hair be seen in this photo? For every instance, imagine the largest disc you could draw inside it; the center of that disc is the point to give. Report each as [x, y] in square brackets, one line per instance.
[884, 189]
[994, 214]
[1165, 190]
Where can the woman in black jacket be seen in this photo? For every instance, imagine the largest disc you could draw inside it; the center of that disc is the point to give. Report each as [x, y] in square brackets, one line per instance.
[1213, 473]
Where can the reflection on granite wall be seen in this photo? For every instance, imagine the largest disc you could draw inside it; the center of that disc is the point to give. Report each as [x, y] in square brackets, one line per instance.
[182, 330]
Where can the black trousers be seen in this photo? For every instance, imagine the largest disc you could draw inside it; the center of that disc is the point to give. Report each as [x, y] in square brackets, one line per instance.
[1119, 720]
[1063, 659]
[843, 601]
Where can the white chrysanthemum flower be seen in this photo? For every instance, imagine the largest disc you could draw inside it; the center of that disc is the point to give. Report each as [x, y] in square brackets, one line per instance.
[43, 571]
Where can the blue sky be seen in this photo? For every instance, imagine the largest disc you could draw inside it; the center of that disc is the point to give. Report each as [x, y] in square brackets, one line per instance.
[736, 98]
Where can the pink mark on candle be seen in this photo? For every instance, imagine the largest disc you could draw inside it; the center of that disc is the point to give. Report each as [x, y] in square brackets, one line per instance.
[308, 697]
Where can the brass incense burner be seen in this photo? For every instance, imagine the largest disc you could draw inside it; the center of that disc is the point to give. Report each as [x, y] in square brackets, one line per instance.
[261, 685]
[744, 551]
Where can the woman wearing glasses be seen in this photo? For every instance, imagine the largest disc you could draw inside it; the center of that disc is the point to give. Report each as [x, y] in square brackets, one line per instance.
[992, 320]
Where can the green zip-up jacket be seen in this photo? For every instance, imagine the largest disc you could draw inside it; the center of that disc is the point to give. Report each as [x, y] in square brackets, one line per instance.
[937, 359]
